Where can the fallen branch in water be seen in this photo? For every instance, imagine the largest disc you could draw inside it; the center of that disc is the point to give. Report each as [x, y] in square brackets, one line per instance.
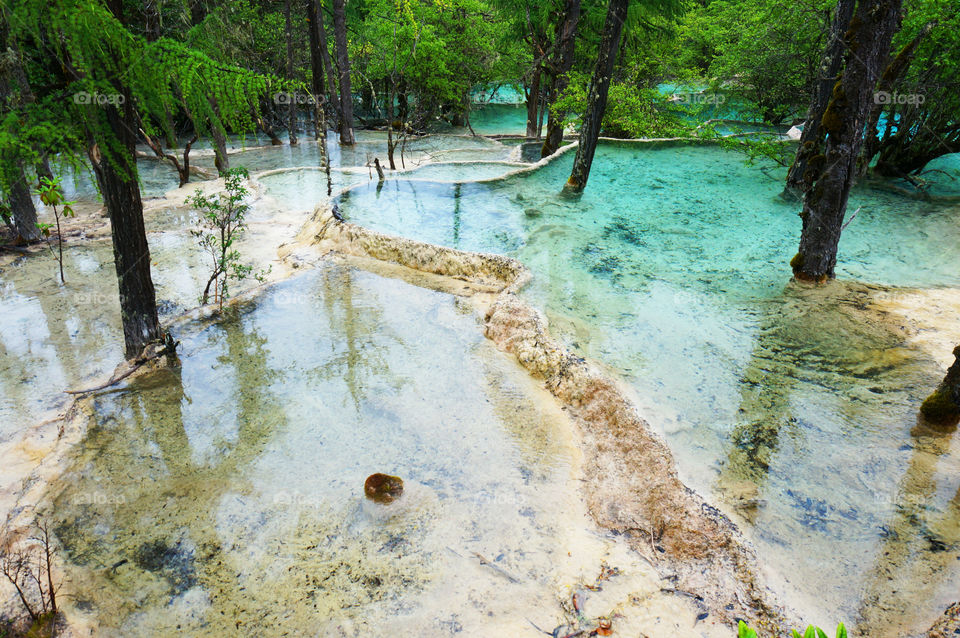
[496, 568]
[849, 221]
[169, 347]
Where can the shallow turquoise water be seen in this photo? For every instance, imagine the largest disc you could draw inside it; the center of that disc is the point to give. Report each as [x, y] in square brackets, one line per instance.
[796, 404]
[228, 493]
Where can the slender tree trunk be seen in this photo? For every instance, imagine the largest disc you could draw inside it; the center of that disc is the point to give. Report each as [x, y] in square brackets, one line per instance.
[121, 194]
[316, 66]
[597, 96]
[332, 98]
[151, 13]
[221, 159]
[565, 41]
[943, 406]
[832, 173]
[292, 108]
[22, 208]
[343, 63]
[533, 102]
[830, 65]
[267, 129]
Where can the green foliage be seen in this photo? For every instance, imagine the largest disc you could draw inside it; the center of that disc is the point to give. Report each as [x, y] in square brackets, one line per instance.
[743, 631]
[764, 52]
[51, 194]
[631, 112]
[222, 222]
[95, 63]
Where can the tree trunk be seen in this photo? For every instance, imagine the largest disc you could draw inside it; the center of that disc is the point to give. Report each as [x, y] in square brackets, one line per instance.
[198, 11]
[22, 208]
[121, 194]
[221, 160]
[897, 67]
[943, 406]
[343, 63]
[832, 172]
[533, 103]
[267, 129]
[830, 65]
[597, 96]
[566, 39]
[332, 98]
[292, 107]
[21, 203]
[316, 66]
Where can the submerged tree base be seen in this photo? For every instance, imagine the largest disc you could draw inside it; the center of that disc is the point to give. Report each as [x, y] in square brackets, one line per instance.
[943, 406]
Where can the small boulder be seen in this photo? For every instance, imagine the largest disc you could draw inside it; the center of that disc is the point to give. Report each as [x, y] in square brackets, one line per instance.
[383, 488]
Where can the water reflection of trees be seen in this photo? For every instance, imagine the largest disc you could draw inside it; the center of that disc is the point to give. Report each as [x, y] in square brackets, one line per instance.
[827, 393]
[913, 575]
[140, 476]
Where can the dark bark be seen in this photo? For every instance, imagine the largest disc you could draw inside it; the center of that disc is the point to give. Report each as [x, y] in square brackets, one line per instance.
[151, 14]
[832, 173]
[264, 125]
[22, 208]
[121, 194]
[12, 75]
[900, 157]
[894, 71]
[332, 98]
[343, 63]
[183, 169]
[292, 107]
[220, 157]
[198, 11]
[565, 41]
[830, 65]
[117, 175]
[943, 406]
[533, 102]
[597, 95]
[316, 67]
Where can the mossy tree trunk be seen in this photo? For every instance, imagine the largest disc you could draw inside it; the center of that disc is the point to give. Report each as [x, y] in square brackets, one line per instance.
[343, 63]
[565, 43]
[832, 172]
[829, 69]
[943, 406]
[597, 96]
[22, 208]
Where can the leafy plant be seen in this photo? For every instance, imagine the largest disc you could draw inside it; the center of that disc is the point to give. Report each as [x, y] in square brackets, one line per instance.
[51, 194]
[811, 632]
[222, 222]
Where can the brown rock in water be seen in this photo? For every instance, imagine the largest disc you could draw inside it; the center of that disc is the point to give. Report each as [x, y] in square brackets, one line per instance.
[383, 488]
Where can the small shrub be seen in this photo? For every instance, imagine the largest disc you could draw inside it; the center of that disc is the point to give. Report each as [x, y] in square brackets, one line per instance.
[51, 194]
[222, 222]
